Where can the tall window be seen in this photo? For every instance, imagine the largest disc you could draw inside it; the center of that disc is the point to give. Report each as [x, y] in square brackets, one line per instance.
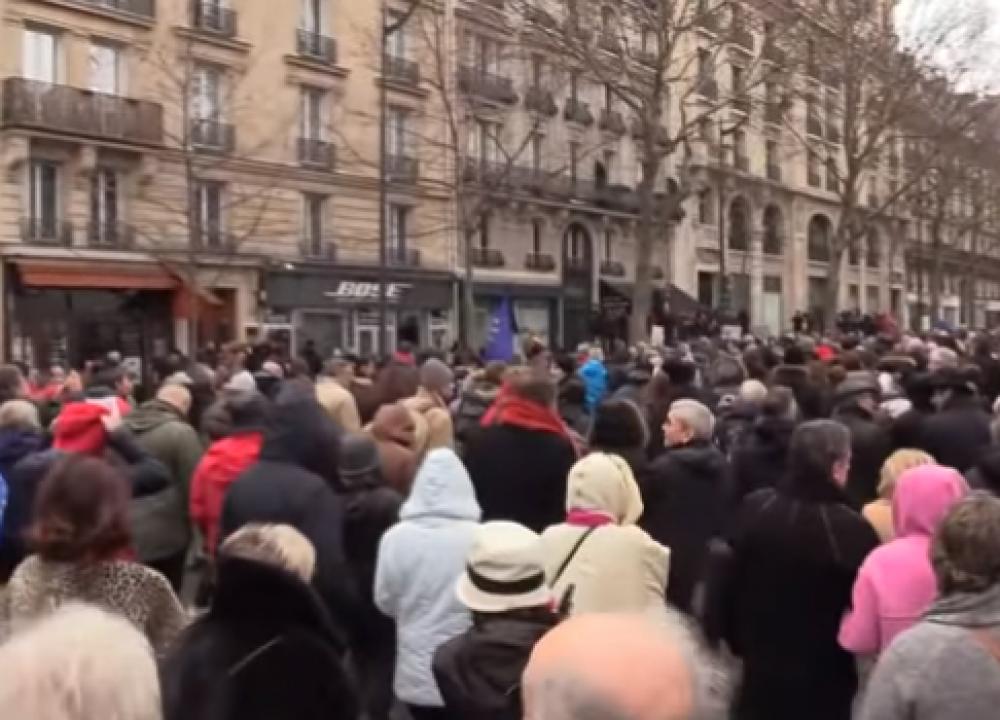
[206, 93]
[398, 216]
[738, 80]
[740, 157]
[39, 55]
[396, 133]
[705, 207]
[396, 41]
[610, 167]
[313, 102]
[103, 204]
[609, 97]
[574, 85]
[773, 244]
[536, 237]
[483, 236]
[739, 225]
[537, 70]
[650, 43]
[105, 68]
[484, 141]
[873, 251]
[537, 151]
[313, 223]
[609, 245]
[208, 213]
[43, 198]
[487, 53]
[771, 153]
[706, 67]
[312, 15]
[574, 160]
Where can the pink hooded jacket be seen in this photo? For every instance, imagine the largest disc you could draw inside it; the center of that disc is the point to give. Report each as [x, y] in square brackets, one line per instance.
[896, 583]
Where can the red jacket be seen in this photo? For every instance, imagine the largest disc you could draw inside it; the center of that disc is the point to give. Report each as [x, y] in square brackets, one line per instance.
[224, 461]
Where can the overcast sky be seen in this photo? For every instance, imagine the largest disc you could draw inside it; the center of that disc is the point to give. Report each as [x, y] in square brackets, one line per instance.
[916, 16]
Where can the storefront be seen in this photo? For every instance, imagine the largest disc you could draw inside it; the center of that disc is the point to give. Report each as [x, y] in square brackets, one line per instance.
[534, 309]
[338, 309]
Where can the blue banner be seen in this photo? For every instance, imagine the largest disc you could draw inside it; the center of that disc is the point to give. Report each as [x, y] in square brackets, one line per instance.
[500, 339]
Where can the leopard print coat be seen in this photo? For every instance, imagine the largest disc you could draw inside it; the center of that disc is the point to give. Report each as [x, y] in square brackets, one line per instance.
[141, 595]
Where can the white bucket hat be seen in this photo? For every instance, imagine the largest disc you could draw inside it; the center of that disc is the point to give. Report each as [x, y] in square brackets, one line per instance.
[505, 570]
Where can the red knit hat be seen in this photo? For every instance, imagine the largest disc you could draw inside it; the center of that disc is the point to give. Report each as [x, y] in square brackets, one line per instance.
[79, 429]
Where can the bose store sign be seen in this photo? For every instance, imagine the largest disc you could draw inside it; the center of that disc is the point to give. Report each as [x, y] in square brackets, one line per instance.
[360, 291]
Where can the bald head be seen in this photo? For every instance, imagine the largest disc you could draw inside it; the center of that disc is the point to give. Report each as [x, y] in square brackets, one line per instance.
[176, 396]
[616, 667]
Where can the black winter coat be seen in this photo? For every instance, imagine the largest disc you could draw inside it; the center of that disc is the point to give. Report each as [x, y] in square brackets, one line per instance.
[908, 429]
[294, 483]
[796, 553]
[809, 397]
[520, 474]
[986, 474]
[759, 460]
[479, 672]
[957, 435]
[684, 495]
[265, 651]
[871, 445]
[146, 475]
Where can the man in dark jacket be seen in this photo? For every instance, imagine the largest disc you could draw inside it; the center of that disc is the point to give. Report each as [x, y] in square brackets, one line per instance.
[793, 373]
[481, 393]
[684, 497]
[958, 434]
[520, 458]
[266, 649]
[294, 483]
[479, 672]
[160, 526]
[759, 458]
[796, 552]
[856, 407]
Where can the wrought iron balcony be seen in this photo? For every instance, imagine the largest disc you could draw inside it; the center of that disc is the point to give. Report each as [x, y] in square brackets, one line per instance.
[210, 16]
[533, 180]
[318, 249]
[402, 169]
[487, 257]
[612, 268]
[402, 71]
[541, 101]
[612, 121]
[317, 154]
[212, 136]
[579, 112]
[213, 240]
[64, 109]
[540, 262]
[316, 46]
[110, 234]
[46, 231]
[487, 85]
[486, 172]
[405, 257]
[142, 9]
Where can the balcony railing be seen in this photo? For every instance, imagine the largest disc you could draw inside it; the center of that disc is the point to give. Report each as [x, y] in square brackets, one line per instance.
[46, 231]
[486, 172]
[318, 249]
[814, 125]
[774, 171]
[64, 109]
[402, 169]
[316, 46]
[529, 179]
[612, 121]
[540, 262]
[620, 198]
[487, 257]
[317, 154]
[405, 257]
[579, 112]
[708, 88]
[541, 101]
[110, 234]
[612, 268]
[145, 9]
[213, 136]
[772, 113]
[487, 85]
[402, 71]
[210, 16]
[213, 240]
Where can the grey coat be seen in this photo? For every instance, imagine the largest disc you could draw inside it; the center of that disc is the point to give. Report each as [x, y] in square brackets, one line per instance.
[938, 669]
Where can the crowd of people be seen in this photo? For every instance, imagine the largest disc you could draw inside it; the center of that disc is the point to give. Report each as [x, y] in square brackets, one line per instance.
[803, 528]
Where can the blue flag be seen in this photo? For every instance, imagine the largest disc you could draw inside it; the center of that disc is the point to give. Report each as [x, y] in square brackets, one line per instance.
[500, 339]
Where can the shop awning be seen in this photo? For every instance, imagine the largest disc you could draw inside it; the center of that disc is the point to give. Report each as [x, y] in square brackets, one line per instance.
[112, 276]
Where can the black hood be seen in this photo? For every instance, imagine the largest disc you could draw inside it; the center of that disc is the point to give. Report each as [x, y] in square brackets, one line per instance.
[301, 433]
[773, 432]
[989, 470]
[700, 458]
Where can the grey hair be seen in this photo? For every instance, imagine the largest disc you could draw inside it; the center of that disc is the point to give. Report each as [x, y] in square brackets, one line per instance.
[965, 552]
[19, 415]
[280, 546]
[79, 663]
[565, 696]
[816, 447]
[696, 416]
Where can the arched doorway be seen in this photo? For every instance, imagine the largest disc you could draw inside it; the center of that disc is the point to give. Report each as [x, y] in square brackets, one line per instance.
[578, 280]
[819, 235]
[739, 224]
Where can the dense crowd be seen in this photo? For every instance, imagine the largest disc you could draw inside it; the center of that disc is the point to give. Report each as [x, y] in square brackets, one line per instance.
[801, 528]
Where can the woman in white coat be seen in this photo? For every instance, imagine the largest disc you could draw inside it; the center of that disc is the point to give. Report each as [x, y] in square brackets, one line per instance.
[419, 563]
[599, 560]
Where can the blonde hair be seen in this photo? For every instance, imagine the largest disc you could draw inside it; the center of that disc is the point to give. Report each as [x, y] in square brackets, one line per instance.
[19, 415]
[79, 663]
[898, 463]
[281, 546]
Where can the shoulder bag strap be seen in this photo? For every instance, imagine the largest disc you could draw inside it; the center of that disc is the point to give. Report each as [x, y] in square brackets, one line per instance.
[572, 554]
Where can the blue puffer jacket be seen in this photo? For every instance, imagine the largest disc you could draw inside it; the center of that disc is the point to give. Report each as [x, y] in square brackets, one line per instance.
[419, 562]
[595, 380]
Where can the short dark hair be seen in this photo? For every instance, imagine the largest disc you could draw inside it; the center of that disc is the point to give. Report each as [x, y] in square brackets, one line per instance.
[81, 511]
[816, 446]
[618, 424]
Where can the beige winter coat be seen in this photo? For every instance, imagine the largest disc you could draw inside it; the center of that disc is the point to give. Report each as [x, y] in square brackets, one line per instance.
[339, 404]
[619, 568]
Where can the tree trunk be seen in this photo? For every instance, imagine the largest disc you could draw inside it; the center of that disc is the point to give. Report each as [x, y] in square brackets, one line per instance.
[638, 326]
[468, 315]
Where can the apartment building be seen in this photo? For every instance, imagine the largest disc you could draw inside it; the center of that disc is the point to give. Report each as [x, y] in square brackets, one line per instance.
[215, 164]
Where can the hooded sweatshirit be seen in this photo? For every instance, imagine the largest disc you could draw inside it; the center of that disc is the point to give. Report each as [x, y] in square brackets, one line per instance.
[939, 669]
[896, 583]
[419, 563]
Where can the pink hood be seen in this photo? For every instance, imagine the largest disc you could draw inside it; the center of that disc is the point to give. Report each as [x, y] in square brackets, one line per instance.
[896, 583]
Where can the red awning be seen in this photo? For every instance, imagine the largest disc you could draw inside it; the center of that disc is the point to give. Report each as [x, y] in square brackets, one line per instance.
[112, 276]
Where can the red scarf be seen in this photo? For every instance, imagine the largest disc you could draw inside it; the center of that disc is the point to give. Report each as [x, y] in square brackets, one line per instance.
[512, 410]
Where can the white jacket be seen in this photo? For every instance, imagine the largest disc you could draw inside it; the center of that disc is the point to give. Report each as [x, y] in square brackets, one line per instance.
[419, 563]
